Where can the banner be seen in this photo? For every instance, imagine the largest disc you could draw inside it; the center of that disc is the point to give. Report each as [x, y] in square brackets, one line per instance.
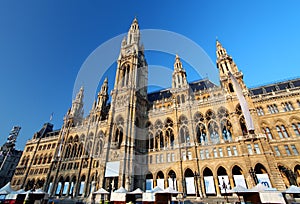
[112, 169]
[66, 187]
[149, 184]
[264, 179]
[190, 185]
[239, 180]
[81, 189]
[71, 188]
[209, 185]
[224, 184]
[161, 183]
[58, 188]
[171, 184]
[49, 188]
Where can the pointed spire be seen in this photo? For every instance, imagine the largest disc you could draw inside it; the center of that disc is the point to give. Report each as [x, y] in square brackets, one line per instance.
[221, 51]
[178, 64]
[79, 96]
[134, 24]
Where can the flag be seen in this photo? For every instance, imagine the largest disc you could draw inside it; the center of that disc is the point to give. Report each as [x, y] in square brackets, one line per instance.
[51, 116]
[243, 102]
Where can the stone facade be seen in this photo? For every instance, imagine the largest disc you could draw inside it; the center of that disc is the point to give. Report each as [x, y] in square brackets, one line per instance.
[193, 136]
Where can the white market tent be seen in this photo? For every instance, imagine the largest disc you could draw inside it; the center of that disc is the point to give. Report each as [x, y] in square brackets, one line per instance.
[101, 191]
[119, 195]
[6, 189]
[292, 190]
[136, 191]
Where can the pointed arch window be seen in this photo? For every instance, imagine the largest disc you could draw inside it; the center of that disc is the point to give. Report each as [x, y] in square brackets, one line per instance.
[226, 130]
[267, 131]
[201, 134]
[213, 129]
[184, 135]
[296, 128]
[282, 132]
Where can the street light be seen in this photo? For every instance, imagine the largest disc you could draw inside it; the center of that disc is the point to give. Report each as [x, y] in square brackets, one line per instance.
[197, 175]
[224, 186]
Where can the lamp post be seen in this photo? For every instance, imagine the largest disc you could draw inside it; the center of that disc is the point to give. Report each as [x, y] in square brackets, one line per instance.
[224, 186]
[197, 175]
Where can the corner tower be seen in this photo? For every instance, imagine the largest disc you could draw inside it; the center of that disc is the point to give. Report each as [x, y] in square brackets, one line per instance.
[226, 65]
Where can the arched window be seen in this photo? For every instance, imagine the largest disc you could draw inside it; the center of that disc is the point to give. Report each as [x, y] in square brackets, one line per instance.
[296, 128]
[184, 135]
[80, 150]
[226, 130]
[74, 151]
[169, 135]
[49, 158]
[282, 132]
[268, 132]
[231, 88]
[201, 134]
[213, 132]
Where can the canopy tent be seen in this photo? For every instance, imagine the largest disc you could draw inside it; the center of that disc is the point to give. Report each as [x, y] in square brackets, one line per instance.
[259, 188]
[240, 189]
[101, 191]
[156, 189]
[119, 195]
[6, 189]
[121, 190]
[169, 190]
[97, 195]
[136, 191]
[292, 190]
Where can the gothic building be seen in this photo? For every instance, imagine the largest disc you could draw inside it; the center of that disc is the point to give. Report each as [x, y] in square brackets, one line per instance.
[194, 137]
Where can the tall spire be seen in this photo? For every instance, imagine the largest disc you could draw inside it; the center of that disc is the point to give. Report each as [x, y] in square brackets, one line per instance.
[225, 62]
[103, 95]
[77, 105]
[134, 33]
[221, 51]
[179, 75]
[178, 64]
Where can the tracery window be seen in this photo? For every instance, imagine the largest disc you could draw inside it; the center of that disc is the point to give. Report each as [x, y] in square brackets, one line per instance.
[268, 132]
[282, 132]
[296, 128]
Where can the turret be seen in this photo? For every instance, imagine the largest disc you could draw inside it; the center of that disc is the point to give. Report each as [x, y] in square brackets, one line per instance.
[102, 95]
[179, 75]
[75, 114]
[226, 65]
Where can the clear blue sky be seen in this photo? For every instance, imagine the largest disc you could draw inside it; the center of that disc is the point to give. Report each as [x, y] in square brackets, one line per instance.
[44, 43]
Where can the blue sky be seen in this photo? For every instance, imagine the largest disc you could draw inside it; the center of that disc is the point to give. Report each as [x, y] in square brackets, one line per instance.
[44, 43]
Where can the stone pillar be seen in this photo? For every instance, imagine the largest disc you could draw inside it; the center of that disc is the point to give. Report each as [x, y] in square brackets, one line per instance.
[217, 186]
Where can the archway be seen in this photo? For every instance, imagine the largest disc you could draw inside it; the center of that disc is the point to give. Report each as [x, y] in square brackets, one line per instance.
[59, 186]
[189, 182]
[160, 181]
[262, 175]
[66, 186]
[297, 174]
[209, 182]
[287, 175]
[149, 181]
[223, 180]
[238, 177]
[50, 185]
[71, 190]
[82, 185]
[172, 182]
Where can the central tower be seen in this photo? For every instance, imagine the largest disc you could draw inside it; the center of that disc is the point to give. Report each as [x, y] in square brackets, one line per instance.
[127, 140]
